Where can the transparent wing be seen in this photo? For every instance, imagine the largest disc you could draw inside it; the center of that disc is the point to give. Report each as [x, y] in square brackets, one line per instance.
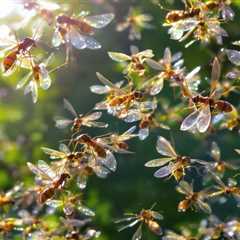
[99, 21]
[53, 153]
[190, 121]
[138, 234]
[33, 89]
[93, 116]
[76, 39]
[205, 207]
[46, 169]
[167, 58]
[119, 57]
[165, 148]
[45, 81]
[69, 107]
[25, 79]
[63, 123]
[91, 43]
[163, 172]
[158, 162]
[204, 119]
[185, 188]
[129, 225]
[56, 39]
[98, 89]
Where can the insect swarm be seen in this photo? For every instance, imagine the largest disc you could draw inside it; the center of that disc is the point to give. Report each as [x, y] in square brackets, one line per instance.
[151, 93]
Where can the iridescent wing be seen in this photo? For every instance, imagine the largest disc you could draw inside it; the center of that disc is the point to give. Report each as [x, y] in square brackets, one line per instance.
[165, 148]
[163, 172]
[91, 42]
[99, 21]
[216, 73]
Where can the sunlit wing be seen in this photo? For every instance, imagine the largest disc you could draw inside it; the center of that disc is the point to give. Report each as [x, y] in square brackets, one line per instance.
[32, 88]
[129, 225]
[98, 89]
[86, 211]
[56, 39]
[215, 152]
[46, 169]
[99, 21]
[167, 58]
[45, 81]
[163, 172]
[204, 119]
[110, 161]
[185, 188]
[92, 116]
[76, 39]
[54, 203]
[63, 123]
[53, 153]
[119, 57]
[157, 215]
[165, 148]
[24, 80]
[7, 38]
[138, 234]
[216, 73]
[154, 65]
[126, 219]
[39, 172]
[190, 121]
[91, 43]
[143, 133]
[158, 162]
[205, 207]
[82, 181]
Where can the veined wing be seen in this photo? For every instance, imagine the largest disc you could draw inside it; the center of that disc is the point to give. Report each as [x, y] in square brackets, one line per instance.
[76, 39]
[165, 148]
[158, 162]
[129, 225]
[138, 234]
[163, 172]
[204, 119]
[99, 21]
[190, 121]
[69, 107]
[54, 154]
[91, 42]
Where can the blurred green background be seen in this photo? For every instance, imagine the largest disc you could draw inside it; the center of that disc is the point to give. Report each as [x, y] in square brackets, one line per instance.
[25, 127]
